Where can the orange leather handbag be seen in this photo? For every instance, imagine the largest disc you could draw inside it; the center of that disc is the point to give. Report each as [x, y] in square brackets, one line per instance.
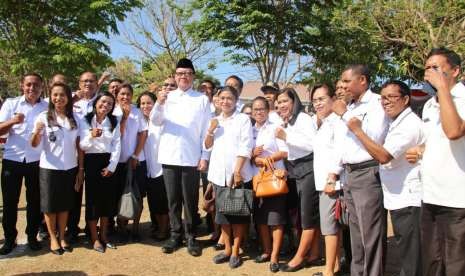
[270, 181]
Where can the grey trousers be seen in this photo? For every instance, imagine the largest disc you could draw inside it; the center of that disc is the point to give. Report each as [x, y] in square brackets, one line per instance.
[406, 225]
[182, 190]
[443, 236]
[367, 222]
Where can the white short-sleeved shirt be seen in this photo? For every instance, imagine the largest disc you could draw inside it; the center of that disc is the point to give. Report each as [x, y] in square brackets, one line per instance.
[108, 142]
[443, 164]
[58, 143]
[299, 136]
[233, 138]
[152, 143]
[265, 136]
[17, 146]
[83, 106]
[324, 151]
[400, 180]
[374, 124]
[185, 117]
[135, 124]
[274, 118]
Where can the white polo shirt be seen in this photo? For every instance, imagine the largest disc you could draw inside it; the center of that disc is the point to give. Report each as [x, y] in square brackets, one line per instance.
[400, 180]
[83, 106]
[135, 124]
[443, 164]
[185, 118]
[265, 136]
[108, 142]
[152, 143]
[374, 124]
[299, 136]
[17, 146]
[325, 157]
[233, 138]
[58, 143]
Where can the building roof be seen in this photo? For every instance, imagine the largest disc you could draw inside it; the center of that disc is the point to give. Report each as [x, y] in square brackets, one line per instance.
[251, 90]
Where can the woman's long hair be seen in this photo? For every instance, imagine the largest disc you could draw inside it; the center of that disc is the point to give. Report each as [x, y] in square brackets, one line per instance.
[111, 117]
[51, 114]
[297, 107]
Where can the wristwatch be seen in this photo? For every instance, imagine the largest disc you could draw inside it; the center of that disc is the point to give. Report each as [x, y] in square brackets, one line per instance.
[135, 157]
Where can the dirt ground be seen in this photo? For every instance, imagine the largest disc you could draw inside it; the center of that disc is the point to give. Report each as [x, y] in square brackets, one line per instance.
[144, 258]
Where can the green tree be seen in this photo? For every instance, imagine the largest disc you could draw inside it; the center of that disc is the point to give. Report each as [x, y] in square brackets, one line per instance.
[263, 34]
[59, 35]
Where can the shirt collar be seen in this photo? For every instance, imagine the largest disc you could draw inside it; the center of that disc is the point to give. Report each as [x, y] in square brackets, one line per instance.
[400, 117]
[221, 118]
[267, 123]
[22, 100]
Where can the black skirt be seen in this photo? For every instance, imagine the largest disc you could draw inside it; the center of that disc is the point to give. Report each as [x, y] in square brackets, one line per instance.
[100, 191]
[57, 190]
[270, 210]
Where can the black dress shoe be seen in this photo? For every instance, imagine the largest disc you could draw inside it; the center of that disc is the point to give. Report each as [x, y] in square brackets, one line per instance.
[109, 245]
[58, 251]
[274, 267]
[262, 259]
[68, 249]
[287, 268]
[193, 247]
[34, 245]
[221, 258]
[135, 237]
[170, 246]
[219, 246]
[316, 262]
[318, 273]
[7, 248]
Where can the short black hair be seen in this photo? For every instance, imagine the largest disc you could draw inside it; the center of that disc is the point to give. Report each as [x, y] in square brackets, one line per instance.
[403, 88]
[329, 88]
[239, 80]
[360, 69]
[32, 75]
[263, 100]
[210, 82]
[116, 80]
[452, 57]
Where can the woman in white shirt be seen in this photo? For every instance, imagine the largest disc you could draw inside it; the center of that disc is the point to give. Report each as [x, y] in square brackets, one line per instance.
[322, 96]
[100, 140]
[56, 134]
[156, 192]
[230, 140]
[133, 135]
[269, 212]
[298, 133]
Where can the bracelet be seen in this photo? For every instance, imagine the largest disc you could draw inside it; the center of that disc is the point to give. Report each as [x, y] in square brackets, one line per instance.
[135, 157]
[330, 182]
[211, 134]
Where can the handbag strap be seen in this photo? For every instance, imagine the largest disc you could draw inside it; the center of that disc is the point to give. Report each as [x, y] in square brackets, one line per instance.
[270, 164]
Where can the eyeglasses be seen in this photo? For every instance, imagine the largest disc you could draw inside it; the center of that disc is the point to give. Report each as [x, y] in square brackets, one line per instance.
[87, 81]
[187, 74]
[259, 110]
[390, 98]
[319, 100]
[169, 84]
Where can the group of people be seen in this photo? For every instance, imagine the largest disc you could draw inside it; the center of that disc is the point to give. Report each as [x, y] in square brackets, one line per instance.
[359, 150]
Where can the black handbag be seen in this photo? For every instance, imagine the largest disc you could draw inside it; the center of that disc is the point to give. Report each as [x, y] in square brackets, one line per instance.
[235, 201]
[129, 204]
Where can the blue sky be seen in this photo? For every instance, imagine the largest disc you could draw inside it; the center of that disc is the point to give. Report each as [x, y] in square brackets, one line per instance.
[120, 49]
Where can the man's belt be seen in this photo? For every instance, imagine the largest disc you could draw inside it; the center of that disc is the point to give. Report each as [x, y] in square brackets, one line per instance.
[361, 165]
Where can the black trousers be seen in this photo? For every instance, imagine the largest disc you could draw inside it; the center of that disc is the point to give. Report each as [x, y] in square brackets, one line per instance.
[364, 197]
[182, 190]
[12, 179]
[443, 240]
[406, 225]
